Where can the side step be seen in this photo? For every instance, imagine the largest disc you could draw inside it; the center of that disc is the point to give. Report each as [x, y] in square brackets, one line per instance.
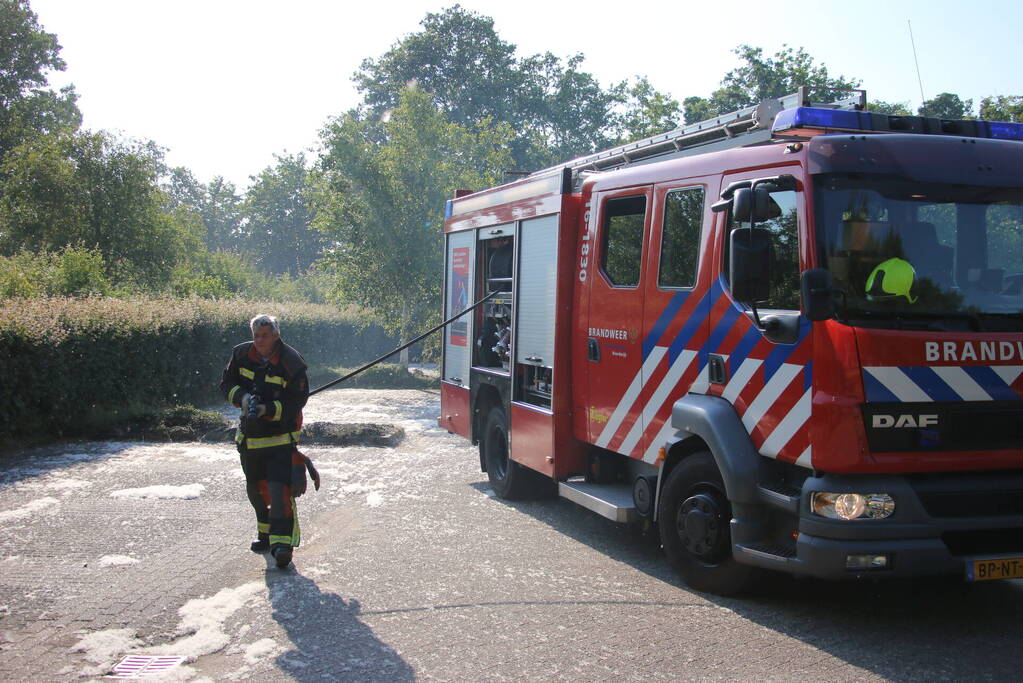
[613, 501]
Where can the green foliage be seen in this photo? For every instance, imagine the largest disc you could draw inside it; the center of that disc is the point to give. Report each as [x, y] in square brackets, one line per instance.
[555, 109]
[1002, 108]
[760, 78]
[279, 214]
[217, 204]
[71, 361]
[647, 112]
[90, 189]
[72, 271]
[27, 54]
[385, 376]
[947, 106]
[891, 108]
[383, 186]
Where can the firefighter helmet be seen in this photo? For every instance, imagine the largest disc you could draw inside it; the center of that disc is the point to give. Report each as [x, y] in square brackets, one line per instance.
[891, 279]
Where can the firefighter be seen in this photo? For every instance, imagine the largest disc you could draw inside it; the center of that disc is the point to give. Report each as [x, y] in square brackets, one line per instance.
[266, 378]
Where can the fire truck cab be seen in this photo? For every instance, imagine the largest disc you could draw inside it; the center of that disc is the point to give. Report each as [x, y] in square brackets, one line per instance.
[791, 337]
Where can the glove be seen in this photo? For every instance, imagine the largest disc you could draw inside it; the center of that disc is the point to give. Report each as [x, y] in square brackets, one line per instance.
[312, 472]
[246, 399]
[298, 480]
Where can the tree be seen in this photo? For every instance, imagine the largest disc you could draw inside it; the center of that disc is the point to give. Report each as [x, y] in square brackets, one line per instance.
[1002, 108]
[382, 187]
[947, 106]
[555, 109]
[27, 55]
[647, 112]
[891, 108]
[760, 78]
[92, 190]
[217, 205]
[278, 217]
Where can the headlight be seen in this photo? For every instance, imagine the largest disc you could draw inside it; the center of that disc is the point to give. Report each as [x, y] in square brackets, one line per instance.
[852, 505]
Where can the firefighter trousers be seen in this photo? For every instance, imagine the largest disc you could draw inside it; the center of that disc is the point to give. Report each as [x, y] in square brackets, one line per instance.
[268, 485]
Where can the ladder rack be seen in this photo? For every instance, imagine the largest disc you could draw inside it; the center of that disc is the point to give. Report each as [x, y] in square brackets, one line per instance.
[747, 126]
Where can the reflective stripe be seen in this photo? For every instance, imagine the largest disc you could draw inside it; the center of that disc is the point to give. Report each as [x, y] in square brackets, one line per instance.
[230, 394]
[274, 379]
[263, 527]
[278, 411]
[296, 532]
[270, 441]
[238, 436]
[286, 540]
[245, 372]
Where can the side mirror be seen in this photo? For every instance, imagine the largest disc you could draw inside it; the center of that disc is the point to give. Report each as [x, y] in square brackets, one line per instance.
[742, 204]
[749, 264]
[817, 293]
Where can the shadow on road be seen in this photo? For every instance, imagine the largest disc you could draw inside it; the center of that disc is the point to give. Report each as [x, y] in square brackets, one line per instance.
[923, 629]
[330, 642]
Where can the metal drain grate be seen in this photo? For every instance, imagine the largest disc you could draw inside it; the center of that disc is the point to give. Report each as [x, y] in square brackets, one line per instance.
[141, 666]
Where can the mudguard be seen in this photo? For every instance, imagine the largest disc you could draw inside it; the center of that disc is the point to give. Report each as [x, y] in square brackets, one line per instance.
[714, 420]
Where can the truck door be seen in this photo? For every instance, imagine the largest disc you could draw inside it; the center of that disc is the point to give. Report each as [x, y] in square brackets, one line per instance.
[615, 319]
[768, 380]
[676, 310]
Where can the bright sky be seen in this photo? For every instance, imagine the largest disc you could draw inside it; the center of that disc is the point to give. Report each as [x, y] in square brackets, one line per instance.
[226, 84]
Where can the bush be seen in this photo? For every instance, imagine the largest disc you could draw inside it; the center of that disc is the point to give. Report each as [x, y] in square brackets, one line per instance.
[73, 271]
[68, 362]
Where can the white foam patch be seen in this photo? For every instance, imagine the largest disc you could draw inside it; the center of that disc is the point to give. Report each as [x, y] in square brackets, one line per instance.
[116, 560]
[30, 509]
[202, 621]
[261, 650]
[164, 492]
[104, 647]
[374, 499]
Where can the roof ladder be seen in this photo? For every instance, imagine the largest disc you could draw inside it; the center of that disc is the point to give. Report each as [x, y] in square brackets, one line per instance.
[747, 126]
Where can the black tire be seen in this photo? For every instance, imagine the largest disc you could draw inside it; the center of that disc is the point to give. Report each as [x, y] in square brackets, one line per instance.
[508, 479]
[694, 517]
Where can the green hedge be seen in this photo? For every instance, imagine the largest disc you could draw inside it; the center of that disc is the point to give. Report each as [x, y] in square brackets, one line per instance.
[70, 364]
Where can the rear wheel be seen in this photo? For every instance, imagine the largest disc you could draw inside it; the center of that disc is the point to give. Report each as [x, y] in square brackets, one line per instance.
[508, 478]
[694, 518]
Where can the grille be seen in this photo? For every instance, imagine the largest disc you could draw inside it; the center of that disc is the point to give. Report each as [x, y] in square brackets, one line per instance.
[973, 503]
[984, 541]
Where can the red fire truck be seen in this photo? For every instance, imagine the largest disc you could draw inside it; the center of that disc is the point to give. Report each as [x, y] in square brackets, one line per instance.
[792, 337]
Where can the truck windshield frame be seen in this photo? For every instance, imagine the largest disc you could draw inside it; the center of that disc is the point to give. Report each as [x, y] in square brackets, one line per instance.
[907, 254]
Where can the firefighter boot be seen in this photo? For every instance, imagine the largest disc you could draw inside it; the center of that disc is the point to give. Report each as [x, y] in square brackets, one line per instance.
[261, 544]
[282, 554]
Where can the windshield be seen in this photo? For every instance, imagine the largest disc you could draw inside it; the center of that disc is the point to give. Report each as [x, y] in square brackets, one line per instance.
[925, 256]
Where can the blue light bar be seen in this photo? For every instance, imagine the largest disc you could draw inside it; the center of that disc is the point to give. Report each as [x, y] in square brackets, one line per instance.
[810, 117]
[1001, 130]
[870, 122]
[447, 209]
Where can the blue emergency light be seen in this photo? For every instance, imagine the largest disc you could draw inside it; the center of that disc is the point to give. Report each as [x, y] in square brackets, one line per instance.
[865, 121]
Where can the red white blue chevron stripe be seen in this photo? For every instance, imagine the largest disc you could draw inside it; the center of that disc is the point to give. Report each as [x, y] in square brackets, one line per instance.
[943, 383]
[769, 384]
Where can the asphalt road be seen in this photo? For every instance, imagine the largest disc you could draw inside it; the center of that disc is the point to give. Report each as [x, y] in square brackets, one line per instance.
[410, 569]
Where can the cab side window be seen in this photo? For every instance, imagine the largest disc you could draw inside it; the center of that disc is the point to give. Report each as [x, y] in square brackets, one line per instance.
[622, 250]
[784, 229]
[680, 238]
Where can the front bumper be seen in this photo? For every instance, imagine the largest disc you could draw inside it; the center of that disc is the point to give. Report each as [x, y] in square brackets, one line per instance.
[940, 523]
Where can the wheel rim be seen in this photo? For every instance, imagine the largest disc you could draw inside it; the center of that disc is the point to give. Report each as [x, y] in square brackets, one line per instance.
[702, 525]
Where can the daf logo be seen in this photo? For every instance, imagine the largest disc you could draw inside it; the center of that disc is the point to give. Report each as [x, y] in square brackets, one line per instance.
[899, 421]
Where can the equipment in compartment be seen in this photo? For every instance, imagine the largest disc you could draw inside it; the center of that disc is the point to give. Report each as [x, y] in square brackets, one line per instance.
[537, 385]
[493, 344]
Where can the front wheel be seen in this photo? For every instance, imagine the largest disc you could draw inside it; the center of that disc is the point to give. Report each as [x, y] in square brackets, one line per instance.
[694, 518]
[508, 478]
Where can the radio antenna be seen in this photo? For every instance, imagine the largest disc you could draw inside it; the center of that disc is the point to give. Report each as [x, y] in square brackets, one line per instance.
[918, 79]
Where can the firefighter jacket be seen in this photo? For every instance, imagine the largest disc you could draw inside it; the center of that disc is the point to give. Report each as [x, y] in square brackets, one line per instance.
[280, 384]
